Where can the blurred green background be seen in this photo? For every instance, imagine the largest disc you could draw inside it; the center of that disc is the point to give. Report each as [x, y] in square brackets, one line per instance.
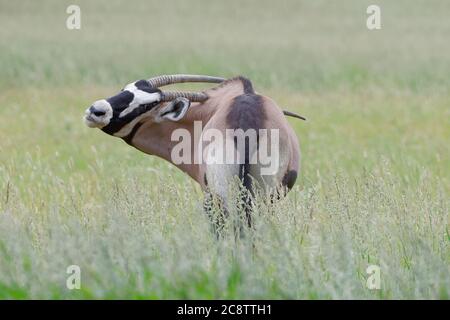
[375, 148]
[300, 45]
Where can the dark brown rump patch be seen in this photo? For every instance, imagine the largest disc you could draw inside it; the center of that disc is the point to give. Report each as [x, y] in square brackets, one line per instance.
[246, 112]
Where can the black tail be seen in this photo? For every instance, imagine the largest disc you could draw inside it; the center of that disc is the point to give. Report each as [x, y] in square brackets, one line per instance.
[247, 192]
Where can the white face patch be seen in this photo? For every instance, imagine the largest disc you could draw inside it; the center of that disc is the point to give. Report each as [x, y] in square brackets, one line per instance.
[140, 97]
[104, 114]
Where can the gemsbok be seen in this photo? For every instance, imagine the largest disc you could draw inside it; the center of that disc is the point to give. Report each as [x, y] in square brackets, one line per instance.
[218, 135]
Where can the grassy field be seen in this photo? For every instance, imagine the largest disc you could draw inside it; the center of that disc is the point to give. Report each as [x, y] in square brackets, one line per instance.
[374, 187]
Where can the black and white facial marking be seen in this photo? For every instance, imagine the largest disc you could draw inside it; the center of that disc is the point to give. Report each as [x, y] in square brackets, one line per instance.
[118, 115]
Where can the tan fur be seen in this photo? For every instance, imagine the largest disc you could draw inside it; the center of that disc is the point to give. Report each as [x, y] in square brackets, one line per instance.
[155, 138]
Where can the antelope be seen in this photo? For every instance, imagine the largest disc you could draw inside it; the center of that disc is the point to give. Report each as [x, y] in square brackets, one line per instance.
[146, 117]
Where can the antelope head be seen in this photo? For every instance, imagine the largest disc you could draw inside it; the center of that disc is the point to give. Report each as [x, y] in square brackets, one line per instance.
[142, 99]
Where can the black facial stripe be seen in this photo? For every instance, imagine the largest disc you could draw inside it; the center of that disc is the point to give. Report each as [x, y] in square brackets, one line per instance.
[142, 84]
[145, 86]
[149, 106]
[143, 108]
[117, 123]
[113, 127]
[121, 100]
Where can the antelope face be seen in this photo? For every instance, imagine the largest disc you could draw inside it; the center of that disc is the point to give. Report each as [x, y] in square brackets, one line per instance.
[138, 101]
[113, 115]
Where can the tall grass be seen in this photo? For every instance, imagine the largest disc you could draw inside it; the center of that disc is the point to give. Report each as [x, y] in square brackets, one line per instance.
[373, 188]
[139, 240]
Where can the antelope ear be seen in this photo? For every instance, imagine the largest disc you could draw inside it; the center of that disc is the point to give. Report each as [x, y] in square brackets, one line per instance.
[175, 110]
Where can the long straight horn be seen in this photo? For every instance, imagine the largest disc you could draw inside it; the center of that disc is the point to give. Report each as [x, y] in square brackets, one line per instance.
[165, 80]
[191, 96]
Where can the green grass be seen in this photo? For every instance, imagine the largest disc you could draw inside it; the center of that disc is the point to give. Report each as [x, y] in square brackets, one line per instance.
[375, 180]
